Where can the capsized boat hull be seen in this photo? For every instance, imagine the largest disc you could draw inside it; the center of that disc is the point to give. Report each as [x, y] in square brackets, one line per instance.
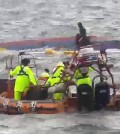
[67, 42]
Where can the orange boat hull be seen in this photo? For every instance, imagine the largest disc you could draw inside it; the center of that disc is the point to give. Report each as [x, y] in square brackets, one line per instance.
[10, 106]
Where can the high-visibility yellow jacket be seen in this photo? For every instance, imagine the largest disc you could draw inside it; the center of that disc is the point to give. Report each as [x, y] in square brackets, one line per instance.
[83, 80]
[25, 76]
[79, 75]
[56, 77]
[58, 71]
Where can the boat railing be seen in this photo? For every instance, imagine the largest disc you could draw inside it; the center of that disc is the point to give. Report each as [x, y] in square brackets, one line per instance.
[12, 61]
[32, 58]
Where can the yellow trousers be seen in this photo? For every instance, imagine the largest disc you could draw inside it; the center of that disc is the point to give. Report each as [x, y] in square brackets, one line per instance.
[18, 95]
[58, 96]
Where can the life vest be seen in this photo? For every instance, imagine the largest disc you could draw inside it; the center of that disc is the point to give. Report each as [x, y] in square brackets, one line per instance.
[22, 72]
[78, 73]
[57, 74]
[84, 80]
[66, 78]
[58, 71]
[42, 80]
[56, 79]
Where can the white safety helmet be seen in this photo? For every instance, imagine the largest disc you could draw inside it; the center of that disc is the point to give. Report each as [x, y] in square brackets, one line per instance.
[45, 75]
[60, 64]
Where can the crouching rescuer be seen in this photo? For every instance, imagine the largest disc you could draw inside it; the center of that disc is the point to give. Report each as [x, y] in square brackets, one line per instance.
[56, 79]
[60, 81]
[25, 77]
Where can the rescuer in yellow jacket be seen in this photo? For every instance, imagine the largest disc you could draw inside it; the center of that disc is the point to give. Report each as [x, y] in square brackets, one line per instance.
[59, 78]
[57, 73]
[25, 77]
[56, 79]
[82, 75]
[48, 81]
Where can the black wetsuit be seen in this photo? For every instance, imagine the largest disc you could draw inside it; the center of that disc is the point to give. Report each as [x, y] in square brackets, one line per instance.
[81, 38]
[82, 31]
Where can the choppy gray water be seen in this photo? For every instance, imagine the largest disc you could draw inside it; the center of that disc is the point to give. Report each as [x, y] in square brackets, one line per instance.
[26, 19]
[92, 123]
[30, 19]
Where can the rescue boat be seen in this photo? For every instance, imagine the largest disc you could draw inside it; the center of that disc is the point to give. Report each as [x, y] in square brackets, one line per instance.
[48, 106]
[9, 106]
[69, 104]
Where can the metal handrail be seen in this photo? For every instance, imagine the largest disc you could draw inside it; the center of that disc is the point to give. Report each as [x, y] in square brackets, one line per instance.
[20, 57]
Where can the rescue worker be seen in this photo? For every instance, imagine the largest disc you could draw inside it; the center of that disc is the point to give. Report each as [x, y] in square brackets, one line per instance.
[52, 88]
[44, 78]
[83, 72]
[50, 84]
[53, 85]
[57, 72]
[49, 81]
[56, 79]
[62, 80]
[84, 87]
[56, 82]
[25, 77]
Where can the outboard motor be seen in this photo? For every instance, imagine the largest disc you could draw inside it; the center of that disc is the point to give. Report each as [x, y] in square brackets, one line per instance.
[102, 95]
[85, 97]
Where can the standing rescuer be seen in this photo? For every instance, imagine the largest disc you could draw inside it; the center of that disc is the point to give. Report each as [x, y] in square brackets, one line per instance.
[84, 87]
[25, 77]
[82, 75]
